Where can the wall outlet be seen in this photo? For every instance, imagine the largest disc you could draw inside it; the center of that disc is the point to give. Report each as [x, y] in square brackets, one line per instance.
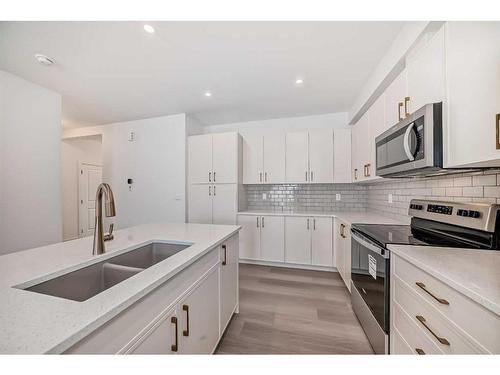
[264, 196]
[389, 198]
[337, 197]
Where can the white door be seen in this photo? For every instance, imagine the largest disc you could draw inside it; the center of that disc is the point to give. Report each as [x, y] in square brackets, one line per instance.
[473, 79]
[426, 73]
[89, 179]
[393, 95]
[199, 317]
[376, 115]
[342, 156]
[253, 159]
[200, 159]
[200, 204]
[225, 158]
[272, 238]
[321, 156]
[297, 157]
[298, 239]
[229, 280]
[249, 236]
[274, 158]
[321, 241]
[160, 339]
[225, 203]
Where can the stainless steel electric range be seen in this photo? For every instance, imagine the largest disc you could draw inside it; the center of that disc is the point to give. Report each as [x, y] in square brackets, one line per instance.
[433, 223]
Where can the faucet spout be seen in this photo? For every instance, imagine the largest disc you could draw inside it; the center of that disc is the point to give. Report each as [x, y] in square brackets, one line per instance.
[109, 209]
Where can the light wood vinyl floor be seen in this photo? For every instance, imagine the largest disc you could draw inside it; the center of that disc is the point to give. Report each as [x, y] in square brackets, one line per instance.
[290, 311]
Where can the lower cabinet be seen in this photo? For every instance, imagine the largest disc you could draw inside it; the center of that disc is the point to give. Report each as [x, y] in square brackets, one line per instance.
[342, 245]
[186, 315]
[213, 203]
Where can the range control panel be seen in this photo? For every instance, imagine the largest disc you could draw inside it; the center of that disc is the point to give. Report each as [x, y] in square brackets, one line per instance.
[440, 209]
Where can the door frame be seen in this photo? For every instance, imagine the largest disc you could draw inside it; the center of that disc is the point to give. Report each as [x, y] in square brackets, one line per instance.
[81, 164]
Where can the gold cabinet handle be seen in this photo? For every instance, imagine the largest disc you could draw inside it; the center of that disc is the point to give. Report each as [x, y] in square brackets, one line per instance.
[209, 176]
[400, 105]
[498, 131]
[214, 176]
[308, 224]
[257, 221]
[355, 173]
[214, 190]
[407, 100]
[175, 346]
[422, 320]
[306, 176]
[224, 248]
[312, 176]
[265, 176]
[440, 300]
[210, 190]
[186, 309]
[314, 224]
[419, 351]
[260, 176]
[368, 169]
[262, 221]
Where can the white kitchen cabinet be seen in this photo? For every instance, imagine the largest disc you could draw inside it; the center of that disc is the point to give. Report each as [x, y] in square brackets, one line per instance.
[321, 242]
[342, 253]
[262, 238]
[321, 156]
[224, 203]
[264, 159]
[342, 156]
[362, 167]
[249, 236]
[425, 73]
[377, 125]
[473, 80]
[213, 158]
[297, 157]
[297, 240]
[394, 98]
[228, 281]
[200, 203]
[199, 317]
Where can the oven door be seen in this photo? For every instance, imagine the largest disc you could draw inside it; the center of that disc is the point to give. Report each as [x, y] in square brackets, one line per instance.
[370, 276]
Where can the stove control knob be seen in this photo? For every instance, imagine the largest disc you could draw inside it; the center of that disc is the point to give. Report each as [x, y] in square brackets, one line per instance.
[474, 214]
[464, 213]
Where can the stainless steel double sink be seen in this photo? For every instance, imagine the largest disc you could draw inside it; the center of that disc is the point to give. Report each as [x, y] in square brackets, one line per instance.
[84, 283]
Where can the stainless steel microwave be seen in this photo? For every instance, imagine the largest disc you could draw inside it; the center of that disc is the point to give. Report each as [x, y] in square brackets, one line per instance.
[412, 147]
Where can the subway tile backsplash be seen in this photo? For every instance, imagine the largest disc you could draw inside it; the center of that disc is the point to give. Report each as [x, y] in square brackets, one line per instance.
[467, 187]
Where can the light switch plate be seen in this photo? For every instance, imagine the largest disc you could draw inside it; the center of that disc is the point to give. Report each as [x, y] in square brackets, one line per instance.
[389, 198]
[337, 197]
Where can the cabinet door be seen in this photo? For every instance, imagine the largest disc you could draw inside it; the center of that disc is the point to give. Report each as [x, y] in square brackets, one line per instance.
[200, 204]
[426, 73]
[161, 338]
[274, 158]
[253, 159]
[337, 246]
[228, 281]
[249, 236]
[272, 238]
[298, 240]
[200, 159]
[376, 115]
[225, 203]
[199, 317]
[355, 157]
[342, 156]
[321, 156]
[473, 78]
[346, 247]
[297, 157]
[225, 158]
[393, 95]
[321, 241]
[361, 151]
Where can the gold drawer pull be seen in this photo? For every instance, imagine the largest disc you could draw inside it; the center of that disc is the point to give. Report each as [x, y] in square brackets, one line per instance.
[419, 351]
[498, 130]
[186, 309]
[175, 346]
[442, 340]
[440, 300]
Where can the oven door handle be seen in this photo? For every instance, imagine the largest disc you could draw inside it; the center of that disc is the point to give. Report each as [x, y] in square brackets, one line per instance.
[406, 142]
[376, 249]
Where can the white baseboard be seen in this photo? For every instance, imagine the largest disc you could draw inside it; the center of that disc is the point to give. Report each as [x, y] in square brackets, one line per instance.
[288, 265]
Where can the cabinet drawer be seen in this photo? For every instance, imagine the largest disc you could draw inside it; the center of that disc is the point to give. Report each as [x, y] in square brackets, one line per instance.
[115, 335]
[449, 338]
[410, 333]
[399, 344]
[471, 317]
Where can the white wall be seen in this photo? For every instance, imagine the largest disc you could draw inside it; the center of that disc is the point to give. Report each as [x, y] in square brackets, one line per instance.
[73, 151]
[327, 121]
[30, 188]
[156, 161]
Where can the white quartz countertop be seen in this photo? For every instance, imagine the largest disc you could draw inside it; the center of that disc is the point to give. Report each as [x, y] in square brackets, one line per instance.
[474, 273]
[37, 323]
[349, 217]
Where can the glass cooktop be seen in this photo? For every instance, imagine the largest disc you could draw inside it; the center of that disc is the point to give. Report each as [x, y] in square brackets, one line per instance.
[388, 234]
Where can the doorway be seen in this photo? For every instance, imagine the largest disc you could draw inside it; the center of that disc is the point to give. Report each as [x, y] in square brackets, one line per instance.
[89, 178]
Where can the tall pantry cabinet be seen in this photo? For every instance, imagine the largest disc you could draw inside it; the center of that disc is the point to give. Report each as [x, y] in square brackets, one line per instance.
[214, 177]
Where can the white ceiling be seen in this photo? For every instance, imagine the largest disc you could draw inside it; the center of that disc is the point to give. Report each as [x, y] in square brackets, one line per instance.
[114, 71]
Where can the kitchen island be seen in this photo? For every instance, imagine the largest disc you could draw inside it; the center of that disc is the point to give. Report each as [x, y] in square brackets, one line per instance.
[118, 318]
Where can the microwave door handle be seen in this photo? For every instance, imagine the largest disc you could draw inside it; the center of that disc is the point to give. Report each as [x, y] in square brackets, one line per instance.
[406, 142]
[382, 252]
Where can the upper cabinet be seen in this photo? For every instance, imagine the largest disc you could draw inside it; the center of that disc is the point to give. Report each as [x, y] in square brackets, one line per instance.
[394, 98]
[473, 80]
[264, 159]
[342, 156]
[213, 158]
[361, 144]
[297, 157]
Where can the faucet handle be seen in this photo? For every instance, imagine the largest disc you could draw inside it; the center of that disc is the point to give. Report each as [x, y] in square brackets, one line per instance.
[109, 236]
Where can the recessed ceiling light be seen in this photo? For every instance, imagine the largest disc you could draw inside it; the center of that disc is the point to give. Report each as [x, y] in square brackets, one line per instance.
[149, 29]
[44, 60]
[299, 81]
[208, 94]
